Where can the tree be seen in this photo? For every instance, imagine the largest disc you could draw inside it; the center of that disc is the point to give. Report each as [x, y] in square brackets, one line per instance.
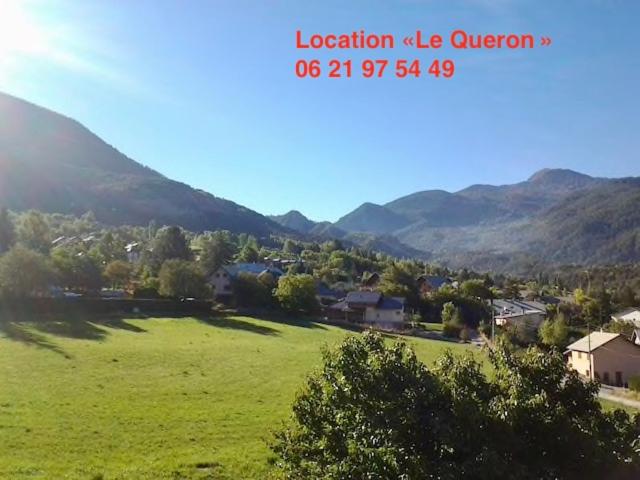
[476, 289]
[580, 296]
[216, 250]
[7, 231]
[451, 314]
[511, 289]
[251, 292]
[34, 232]
[118, 273]
[170, 243]
[179, 278]
[399, 280]
[372, 412]
[24, 272]
[290, 247]
[452, 320]
[110, 247]
[248, 254]
[297, 293]
[554, 333]
[76, 270]
[376, 411]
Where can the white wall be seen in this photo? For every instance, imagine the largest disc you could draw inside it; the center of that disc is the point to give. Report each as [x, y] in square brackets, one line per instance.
[374, 315]
[221, 283]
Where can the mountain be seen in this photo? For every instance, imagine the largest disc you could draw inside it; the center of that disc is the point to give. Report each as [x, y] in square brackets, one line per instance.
[52, 163]
[555, 216]
[597, 225]
[295, 221]
[372, 218]
[321, 231]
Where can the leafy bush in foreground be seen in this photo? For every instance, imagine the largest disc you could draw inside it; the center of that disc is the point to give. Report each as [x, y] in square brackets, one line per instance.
[376, 412]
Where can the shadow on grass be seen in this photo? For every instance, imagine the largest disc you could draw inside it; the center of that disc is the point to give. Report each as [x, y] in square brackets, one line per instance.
[20, 332]
[71, 328]
[25, 328]
[274, 316]
[120, 324]
[234, 323]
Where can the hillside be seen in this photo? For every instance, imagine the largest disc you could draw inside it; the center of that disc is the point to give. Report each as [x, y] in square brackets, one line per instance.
[52, 163]
[372, 218]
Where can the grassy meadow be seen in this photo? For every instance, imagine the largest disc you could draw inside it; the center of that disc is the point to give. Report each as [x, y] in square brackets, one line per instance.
[154, 398]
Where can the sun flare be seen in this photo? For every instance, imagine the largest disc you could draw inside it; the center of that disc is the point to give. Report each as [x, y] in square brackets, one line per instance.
[20, 34]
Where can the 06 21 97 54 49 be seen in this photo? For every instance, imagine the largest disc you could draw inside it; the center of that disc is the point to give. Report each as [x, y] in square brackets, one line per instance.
[374, 68]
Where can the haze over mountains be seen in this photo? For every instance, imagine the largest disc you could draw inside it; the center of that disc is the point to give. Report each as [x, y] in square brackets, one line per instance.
[52, 163]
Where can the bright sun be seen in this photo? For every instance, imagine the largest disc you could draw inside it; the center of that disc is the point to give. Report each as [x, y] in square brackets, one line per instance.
[20, 34]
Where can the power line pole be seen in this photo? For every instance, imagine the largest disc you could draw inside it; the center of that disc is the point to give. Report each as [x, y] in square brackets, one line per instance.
[493, 323]
[589, 348]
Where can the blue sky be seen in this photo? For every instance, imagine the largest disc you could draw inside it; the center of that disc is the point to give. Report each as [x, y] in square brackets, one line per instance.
[205, 93]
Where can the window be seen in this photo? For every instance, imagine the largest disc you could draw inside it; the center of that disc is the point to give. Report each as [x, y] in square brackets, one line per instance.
[579, 355]
[606, 380]
[618, 379]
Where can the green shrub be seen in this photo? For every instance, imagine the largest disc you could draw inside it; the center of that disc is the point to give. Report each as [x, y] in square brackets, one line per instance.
[451, 330]
[634, 383]
[465, 334]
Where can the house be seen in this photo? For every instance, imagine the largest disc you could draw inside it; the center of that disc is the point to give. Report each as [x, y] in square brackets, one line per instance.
[371, 308]
[222, 280]
[608, 357]
[628, 315]
[428, 284]
[519, 313]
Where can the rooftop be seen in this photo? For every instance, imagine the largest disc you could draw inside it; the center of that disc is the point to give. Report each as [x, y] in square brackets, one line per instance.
[363, 298]
[252, 268]
[594, 340]
[626, 311]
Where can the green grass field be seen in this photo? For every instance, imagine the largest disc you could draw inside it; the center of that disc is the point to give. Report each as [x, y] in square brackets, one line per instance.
[156, 398]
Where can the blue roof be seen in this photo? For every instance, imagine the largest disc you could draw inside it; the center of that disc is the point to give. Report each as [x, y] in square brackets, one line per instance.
[391, 303]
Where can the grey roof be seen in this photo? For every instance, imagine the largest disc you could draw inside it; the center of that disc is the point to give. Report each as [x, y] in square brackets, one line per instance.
[251, 268]
[598, 339]
[511, 307]
[363, 298]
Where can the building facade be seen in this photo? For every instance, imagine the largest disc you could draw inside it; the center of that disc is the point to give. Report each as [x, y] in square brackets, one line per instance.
[607, 357]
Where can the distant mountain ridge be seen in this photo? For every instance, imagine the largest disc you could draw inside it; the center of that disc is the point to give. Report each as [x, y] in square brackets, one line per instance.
[556, 216]
[52, 163]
